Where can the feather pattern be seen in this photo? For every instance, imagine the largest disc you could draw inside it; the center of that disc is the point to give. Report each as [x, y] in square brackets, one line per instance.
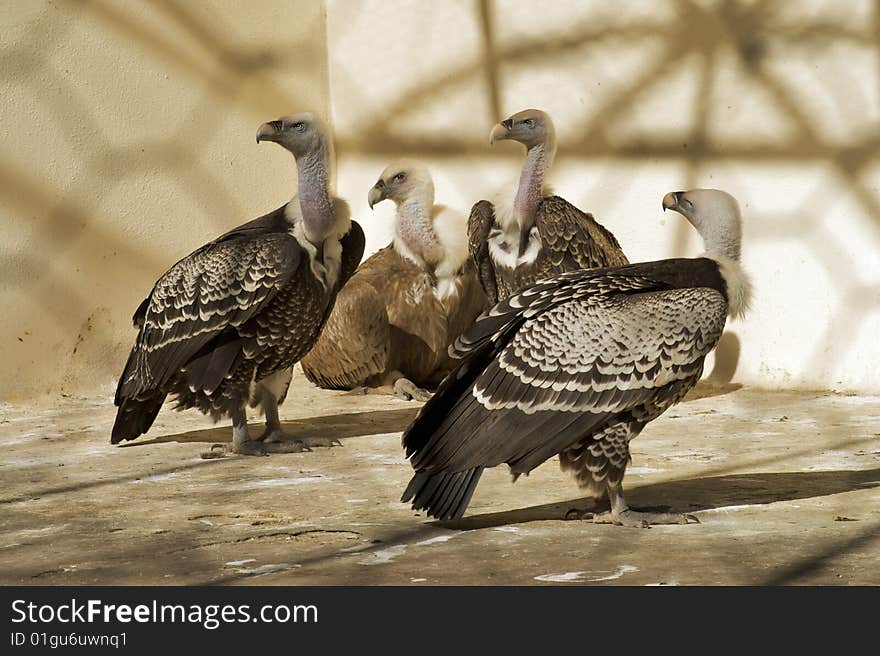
[406, 303]
[241, 308]
[389, 318]
[575, 365]
[563, 239]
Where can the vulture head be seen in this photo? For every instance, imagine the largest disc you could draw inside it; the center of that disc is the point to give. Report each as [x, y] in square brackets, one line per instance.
[301, 134]
[714, 213]
[530, 127]
[402, 181]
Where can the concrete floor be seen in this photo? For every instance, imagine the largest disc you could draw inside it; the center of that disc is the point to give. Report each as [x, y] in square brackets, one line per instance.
[785, 486]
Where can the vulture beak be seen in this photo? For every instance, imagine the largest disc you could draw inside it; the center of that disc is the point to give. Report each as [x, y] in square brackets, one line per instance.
[270, 131]
[499, 132]
[377, 194]
[672, 200]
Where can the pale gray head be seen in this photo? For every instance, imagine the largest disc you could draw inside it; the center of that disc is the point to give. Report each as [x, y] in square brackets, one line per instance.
[302, 134]
[403, 180]
[530, 127]
[715, 214]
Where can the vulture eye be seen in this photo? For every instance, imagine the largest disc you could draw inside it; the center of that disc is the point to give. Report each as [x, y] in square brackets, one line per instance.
[530, 122]
[299, 127]
[400, 177]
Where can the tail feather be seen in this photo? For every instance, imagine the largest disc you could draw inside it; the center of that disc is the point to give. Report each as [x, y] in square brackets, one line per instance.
[135, 416]
[444, 495]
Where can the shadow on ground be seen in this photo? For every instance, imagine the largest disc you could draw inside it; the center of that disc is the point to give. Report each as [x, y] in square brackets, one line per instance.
[341, 426]
[692, 495]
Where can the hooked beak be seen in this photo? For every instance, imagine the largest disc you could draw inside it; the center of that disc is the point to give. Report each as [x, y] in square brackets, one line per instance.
[377, 194]
[672, 201]
[270, 131]
[498, 133]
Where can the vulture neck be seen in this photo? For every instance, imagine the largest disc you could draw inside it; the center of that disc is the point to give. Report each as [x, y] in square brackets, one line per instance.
[722, 239]
[531, 186]
[314, 196]
[414, 230]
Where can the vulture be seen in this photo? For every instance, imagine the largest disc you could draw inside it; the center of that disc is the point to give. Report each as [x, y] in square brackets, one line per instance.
[528, 236]
[394, 321]
[577, 365]
[223, 327]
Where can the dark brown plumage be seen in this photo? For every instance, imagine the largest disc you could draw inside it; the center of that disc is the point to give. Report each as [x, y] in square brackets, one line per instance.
[223, 327]
[577, 365]
[570, 240]
[528, 236]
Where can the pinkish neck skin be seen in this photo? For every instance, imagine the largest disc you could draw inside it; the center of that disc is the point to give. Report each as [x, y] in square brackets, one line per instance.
[414, 227]
[314, 199]
[531, 183]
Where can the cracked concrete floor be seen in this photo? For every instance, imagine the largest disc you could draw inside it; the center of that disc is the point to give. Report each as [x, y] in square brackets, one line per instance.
[785, 485]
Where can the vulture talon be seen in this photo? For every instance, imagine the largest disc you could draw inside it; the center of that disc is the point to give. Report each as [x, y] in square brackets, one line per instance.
[409, 391]
[250, 448]
[217, 451]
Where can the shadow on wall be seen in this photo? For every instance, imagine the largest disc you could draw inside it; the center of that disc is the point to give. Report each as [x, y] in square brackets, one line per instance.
[809, 70]
[106, 148]
[759, 84]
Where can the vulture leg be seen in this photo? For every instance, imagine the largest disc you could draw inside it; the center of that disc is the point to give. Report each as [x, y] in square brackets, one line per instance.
[275, 440]
[241, 441]
[409, 391]
[621, 514]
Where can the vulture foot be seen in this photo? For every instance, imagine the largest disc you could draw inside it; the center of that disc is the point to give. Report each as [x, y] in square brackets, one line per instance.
[637, 519]
[246, 448]
[408, 391]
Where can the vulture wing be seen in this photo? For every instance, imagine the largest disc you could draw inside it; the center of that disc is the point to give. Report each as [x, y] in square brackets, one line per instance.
[573, 239]
[353, 243]
[479, 226]
[219, 286]
[548, 367]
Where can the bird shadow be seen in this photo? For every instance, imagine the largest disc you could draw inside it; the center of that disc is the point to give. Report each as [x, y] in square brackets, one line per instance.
[341, 426]
[692, 495]
[706, 389]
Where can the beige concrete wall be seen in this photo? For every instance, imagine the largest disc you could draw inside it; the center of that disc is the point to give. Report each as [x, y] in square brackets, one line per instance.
[779, 103]
[129, 141]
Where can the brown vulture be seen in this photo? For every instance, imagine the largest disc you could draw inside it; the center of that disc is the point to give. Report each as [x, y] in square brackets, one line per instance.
[223, 327]
[528, 236]
[577, 365]
[394, 321]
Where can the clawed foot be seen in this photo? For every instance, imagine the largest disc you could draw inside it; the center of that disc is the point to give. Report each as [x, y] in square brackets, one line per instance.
[217, 451]
[632, 518]
[409, 391]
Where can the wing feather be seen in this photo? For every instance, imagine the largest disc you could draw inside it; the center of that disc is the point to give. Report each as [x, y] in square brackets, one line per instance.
[573, 239]
[218, 287]
[561, 372]
[480, 223]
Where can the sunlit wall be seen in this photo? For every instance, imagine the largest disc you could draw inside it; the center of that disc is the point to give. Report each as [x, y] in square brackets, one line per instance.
[129, 141]
[776, 102]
